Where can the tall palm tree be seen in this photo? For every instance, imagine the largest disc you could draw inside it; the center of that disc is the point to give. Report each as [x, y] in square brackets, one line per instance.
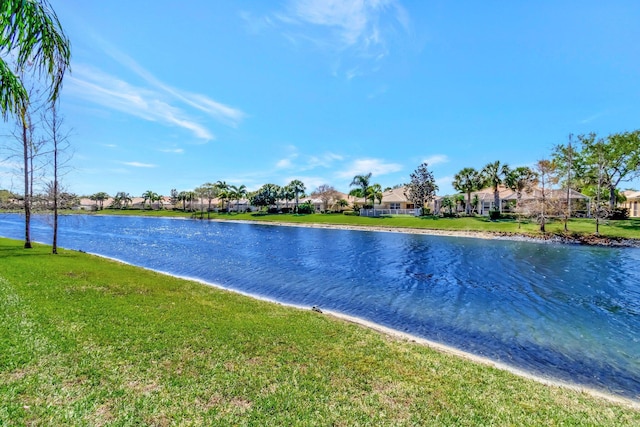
[190, 195]
[150, 196]
[100, 198]
[288, 194]
[375, 193]
[467, 181]
[183, 197]
[160, 199]
[31, 33]
[223, 192]
[362, 181]
[238, 192]
[494, 174]
[298, 189]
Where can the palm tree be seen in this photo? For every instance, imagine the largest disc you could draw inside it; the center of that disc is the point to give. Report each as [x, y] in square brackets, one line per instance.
[362, 181]
[31, 33]
[494, 174]
[238, 192]
[148, 195]
[467, 181]
[298, 189]
[160, 199]
[223, 192]
[375, 192]
[190, 195]
[126, 199]
[288, 194]
[520, 179]
[183, 197]
[100, 198]
[447, 202]
[121, 200]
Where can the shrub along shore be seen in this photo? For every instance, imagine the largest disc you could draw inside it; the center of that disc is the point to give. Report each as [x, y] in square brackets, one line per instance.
[580, 230]
[90, 341]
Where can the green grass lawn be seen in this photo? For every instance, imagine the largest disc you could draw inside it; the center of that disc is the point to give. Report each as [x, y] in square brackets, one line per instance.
[627, 229]
[88, 341]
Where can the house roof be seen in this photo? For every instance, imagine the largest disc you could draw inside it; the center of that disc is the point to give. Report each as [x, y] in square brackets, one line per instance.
[395, 195]
[631, 194]
[535, 193]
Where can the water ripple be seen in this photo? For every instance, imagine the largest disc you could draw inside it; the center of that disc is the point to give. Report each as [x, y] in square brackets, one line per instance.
[566, 312]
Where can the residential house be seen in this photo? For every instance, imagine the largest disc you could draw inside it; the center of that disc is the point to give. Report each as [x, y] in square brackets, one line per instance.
[632, 203]
[483, 201]
[395, 202]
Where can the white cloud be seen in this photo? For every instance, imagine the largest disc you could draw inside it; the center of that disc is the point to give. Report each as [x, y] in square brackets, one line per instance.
[593, 117]
[354, 22]
[103, 89]
[284, 163]
[363, 28]
[172, 150]
[377, 167]
[303, 162]
[139, 165]
[436, 159]
[221, 112]
[325, 160]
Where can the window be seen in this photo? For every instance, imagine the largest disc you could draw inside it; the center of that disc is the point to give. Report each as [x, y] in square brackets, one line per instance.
[394, 205]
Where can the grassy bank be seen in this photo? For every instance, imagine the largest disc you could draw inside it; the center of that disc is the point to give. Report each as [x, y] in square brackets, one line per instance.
[624, 229]
[87, 341]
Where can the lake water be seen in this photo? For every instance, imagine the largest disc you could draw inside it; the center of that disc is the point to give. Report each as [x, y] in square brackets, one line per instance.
[561, 312]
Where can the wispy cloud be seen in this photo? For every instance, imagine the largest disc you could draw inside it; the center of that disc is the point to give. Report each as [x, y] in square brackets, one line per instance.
[592, 118]
[352, 22]
[285, 163]
[436, 159]
[377, 167]
[108, 91]
[153, 101]
[139, 165]
[172, 150]
[219, 111]
[359, 29]
[303, 162]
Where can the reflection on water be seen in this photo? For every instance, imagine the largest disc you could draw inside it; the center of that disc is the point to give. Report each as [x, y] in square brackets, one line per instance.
[566, 312]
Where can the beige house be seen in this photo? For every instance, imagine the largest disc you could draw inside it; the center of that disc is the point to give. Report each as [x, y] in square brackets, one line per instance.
[632, 203]
[396, 202]
[483, 201]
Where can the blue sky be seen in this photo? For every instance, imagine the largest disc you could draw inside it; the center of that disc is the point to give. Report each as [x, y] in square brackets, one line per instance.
[170, 94]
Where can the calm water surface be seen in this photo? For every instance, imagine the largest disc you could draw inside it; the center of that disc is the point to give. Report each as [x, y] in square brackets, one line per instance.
[562, 312]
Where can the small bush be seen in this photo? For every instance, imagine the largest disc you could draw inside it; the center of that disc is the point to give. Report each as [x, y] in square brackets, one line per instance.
[351, 213]
[494, 214]
[306, 208]
[619, 213]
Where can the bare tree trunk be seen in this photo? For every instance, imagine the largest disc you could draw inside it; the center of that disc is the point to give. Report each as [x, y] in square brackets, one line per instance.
[54, 134]
[27, 188]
